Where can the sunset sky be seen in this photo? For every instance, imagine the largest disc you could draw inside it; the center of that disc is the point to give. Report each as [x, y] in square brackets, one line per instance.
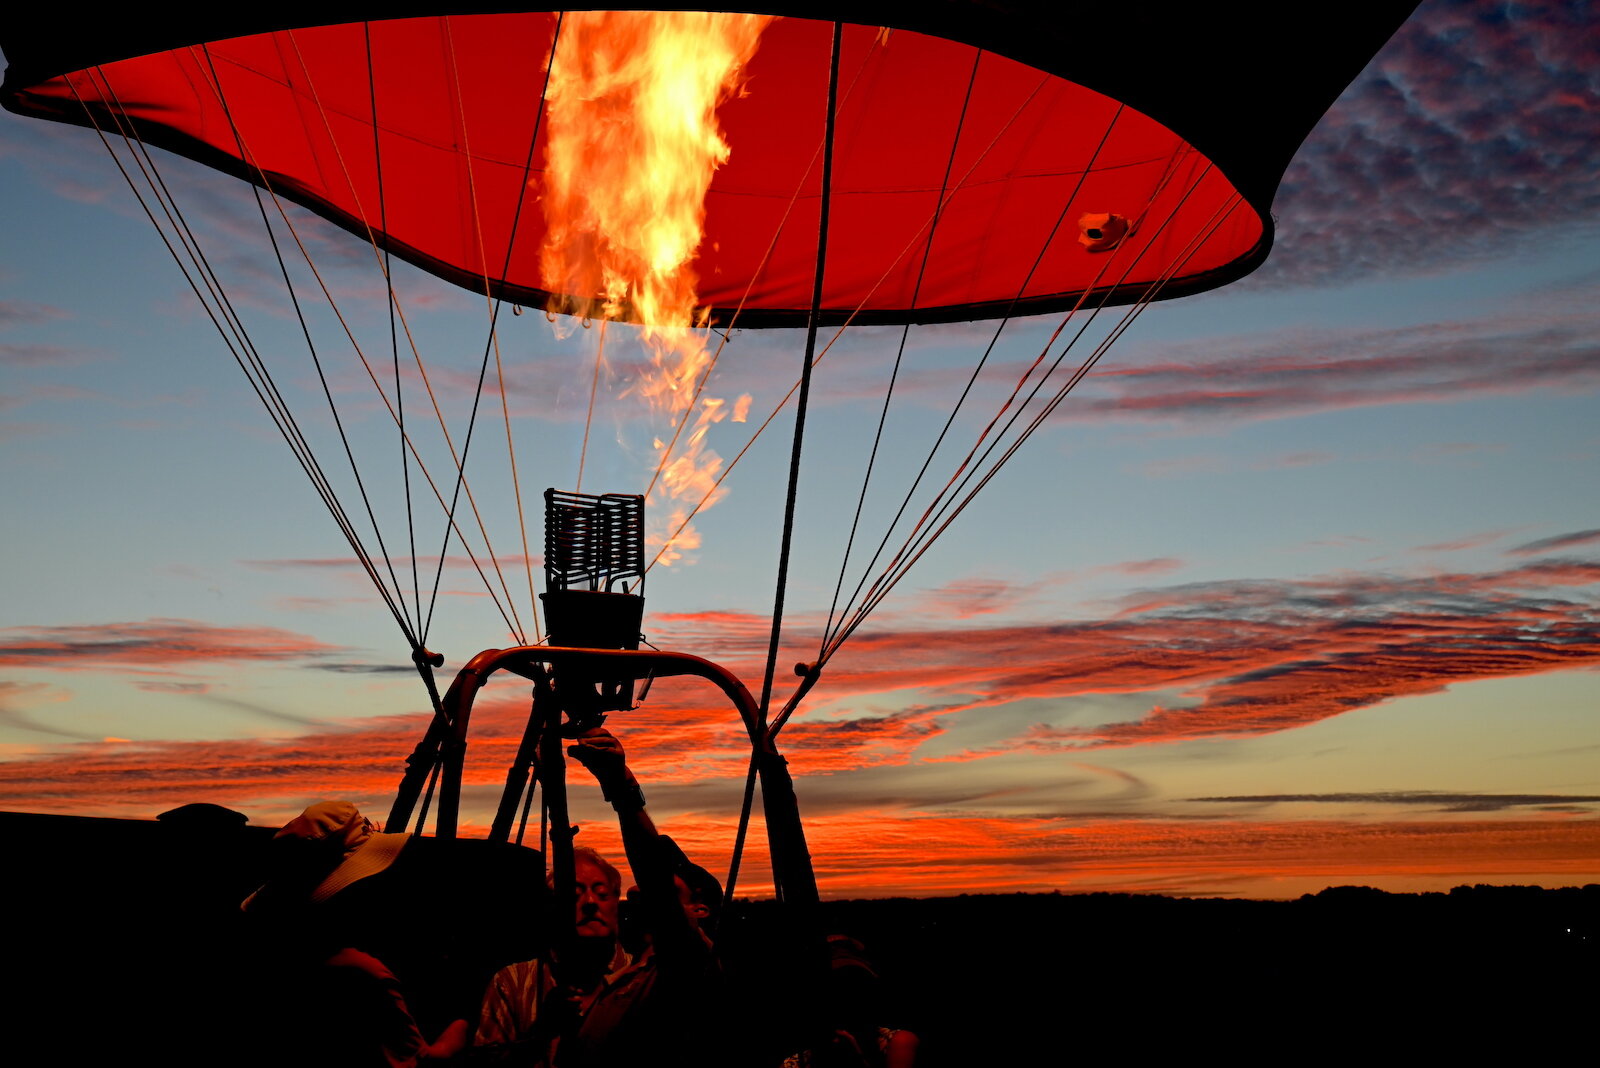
[1300, 587]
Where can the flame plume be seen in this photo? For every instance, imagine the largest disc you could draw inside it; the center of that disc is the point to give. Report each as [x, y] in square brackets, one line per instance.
[632, 145]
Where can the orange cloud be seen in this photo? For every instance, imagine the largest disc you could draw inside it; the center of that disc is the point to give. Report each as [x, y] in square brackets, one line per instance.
[149, 645]
[1255, 657]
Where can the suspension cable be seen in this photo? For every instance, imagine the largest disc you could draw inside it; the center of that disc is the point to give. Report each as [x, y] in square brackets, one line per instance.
[594, 388]
[950, 512]
[905, 334]
[726, 332]
[805, 373]
[937, 508]
[381, 256]
[394, 337]
[220, 311]
[839, 332]
[420, 640]
[1044, 352]
[494, 337]
[983, 360]
[305, 329]
[463, 483]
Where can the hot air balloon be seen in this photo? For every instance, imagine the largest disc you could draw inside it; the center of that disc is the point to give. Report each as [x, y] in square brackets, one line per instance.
[889, 164]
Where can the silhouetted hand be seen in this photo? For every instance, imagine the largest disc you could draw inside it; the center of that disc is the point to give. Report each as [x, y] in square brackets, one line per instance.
[598, 750]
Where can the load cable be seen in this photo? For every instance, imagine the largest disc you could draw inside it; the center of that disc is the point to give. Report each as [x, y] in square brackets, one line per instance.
[839, 332]
[311, 348]
[934, 506]
[726, 332]
[948, 515]
[394, 337]
[220, 313]
[493, 343]
[758, 739]
[490, 344]
[381, 255]
[936, 509]
[983, 360]
[900, 351]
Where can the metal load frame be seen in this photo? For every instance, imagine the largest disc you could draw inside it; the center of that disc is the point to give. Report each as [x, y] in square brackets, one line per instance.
[588, 669]
[445, 745]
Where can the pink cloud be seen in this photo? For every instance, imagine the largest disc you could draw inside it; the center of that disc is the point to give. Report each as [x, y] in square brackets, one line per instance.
[17, 354]
[28, 313]
[150, 646]
[1274, 376]
[1469, 135]
[971, 597]
[1160, 565]
[1470, 541]
[1559, 541]
[1251, 657]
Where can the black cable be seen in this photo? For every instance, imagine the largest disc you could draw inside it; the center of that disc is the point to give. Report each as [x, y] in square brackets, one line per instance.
[918, 541]
[488, 345]
[805, 374]
[394, 337]
[905, 333]
[896, 571]
[250, 362]
[311, 347]
[977, 370]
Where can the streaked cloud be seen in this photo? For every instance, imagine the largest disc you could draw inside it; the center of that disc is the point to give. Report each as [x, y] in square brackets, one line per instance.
[33, 693]
[1253, 657]
[1468, 541]
[28, 313]
[161, 686]
[1444, 801]
[19, 354]
[1453, 449]
[1300, 652]
[1157, 566]
[971, 597]
[889, 852]
[1559, 541]
[1289, 373]
[153, 645]
[357, 668]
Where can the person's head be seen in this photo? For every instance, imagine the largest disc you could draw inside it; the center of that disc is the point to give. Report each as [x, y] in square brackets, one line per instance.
[853, 991]
[699, 892]
[599, 889]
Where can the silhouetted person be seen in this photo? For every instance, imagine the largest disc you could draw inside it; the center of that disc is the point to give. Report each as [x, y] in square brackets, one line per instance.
[670, 1004]
[364, 978]
[530, 1005]
[853, 1003]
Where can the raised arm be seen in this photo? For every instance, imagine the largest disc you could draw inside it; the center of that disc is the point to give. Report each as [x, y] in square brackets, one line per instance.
[650, 857]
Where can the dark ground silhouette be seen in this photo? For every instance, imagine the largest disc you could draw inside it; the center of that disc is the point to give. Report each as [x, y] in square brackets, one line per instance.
[124, 939]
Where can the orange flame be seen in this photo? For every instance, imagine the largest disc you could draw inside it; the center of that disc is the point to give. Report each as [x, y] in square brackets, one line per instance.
[632, 145]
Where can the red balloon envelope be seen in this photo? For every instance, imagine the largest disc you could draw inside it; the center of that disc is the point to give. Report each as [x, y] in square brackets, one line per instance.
[1172, 121]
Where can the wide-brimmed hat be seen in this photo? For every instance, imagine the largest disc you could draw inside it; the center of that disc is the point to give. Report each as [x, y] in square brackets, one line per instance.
[320, 852]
